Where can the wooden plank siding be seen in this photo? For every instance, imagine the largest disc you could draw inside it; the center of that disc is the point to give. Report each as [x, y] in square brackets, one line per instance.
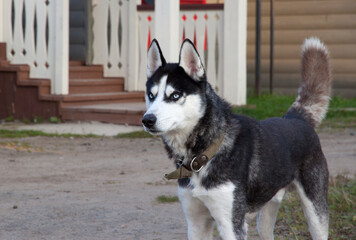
[333, 21]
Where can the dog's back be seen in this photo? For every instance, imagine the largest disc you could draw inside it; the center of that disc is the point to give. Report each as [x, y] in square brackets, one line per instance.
[290, 147]
[286, 142]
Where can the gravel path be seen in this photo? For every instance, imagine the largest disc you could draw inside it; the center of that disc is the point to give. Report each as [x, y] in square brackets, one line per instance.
[60, 188]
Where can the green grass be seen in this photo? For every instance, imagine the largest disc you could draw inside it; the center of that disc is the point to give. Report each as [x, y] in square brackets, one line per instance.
[265, 106]
[20, 146]
[167, 199]
[54, 120]
[137, 134]
[33, 133]
[291, 223]
[342, 112]
[4, 133]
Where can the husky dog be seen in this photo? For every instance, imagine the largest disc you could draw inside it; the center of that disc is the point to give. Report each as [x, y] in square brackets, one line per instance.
[256, 162]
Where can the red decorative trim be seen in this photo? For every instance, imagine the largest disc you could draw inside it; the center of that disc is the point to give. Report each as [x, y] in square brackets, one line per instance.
[206, 39]
[184, 17]
[149, 38]
[195, 37]
[183, 37]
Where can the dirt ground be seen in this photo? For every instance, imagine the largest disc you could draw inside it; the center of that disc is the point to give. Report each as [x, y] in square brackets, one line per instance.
[62, 188]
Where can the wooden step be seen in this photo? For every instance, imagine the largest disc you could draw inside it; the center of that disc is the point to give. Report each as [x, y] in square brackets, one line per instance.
[76, 63]
[120, 113]
[2, 51]
[85, 72]
[99, 98]
[102, 85]
[91, 95]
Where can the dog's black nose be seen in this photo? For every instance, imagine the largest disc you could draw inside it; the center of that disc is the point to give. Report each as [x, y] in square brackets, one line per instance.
[149, 120]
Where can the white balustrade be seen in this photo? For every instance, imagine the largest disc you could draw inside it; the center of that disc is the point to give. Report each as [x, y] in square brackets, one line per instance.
[35, 33]
[146, 32]
[110, 40]
[205, 29]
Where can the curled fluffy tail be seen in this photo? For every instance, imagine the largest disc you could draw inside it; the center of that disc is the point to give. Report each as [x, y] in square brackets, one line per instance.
[314, 92]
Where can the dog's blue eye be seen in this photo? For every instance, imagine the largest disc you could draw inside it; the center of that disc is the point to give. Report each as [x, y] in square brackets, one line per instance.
[175, 96]
[150, 96]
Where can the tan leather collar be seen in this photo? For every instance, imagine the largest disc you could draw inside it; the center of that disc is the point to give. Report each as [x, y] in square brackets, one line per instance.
[196, 163]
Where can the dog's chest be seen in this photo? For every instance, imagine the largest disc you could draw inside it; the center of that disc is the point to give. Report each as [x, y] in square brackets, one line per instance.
[198, 190]
[219, 200]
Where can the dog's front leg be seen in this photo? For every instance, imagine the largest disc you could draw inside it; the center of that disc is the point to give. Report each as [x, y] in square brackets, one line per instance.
[227, 211]
[200, 222]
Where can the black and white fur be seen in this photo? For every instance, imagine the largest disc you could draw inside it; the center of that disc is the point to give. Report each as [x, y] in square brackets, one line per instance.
[257, 161]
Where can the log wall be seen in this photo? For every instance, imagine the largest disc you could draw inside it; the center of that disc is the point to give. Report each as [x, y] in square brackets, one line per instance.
[333, 21]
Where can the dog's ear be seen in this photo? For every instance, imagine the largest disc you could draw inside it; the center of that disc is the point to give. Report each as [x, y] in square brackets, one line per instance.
[190, 61]
[155, 58]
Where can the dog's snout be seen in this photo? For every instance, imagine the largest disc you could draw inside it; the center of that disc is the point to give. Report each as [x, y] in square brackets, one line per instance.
[149, 120]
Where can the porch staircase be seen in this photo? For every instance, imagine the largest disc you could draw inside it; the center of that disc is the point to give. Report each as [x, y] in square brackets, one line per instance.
[94, 97]
[91, 96]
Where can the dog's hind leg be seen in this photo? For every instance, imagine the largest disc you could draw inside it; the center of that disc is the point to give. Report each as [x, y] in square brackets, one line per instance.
[266, 218]
[312, 187]
[200, 222]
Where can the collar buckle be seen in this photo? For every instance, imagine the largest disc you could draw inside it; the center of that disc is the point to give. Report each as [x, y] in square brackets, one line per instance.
[198, 164]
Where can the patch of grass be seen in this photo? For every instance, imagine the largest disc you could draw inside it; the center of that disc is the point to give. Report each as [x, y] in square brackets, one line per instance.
[265, 106]
[137, 134]
[37, 119]
[20, 146]
[54, 120]
[167, 199]
[4, 133]
[9, 119]
[291, 223]
[26, 121]
[341, 113]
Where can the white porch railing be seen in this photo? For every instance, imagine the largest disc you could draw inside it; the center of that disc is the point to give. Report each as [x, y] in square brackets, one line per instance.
[145, 33]
[110, 40]
[205, 29]
[36, 33]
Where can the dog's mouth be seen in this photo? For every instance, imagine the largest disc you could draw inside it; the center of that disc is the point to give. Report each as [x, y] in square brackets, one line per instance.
[153, 131]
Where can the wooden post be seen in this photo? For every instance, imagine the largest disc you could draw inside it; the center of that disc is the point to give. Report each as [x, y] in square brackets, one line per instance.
[258, 48]
[235, 35]
[2, 21]
[133, 52]
[60, 42]
[167, 28]
[271, 52]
